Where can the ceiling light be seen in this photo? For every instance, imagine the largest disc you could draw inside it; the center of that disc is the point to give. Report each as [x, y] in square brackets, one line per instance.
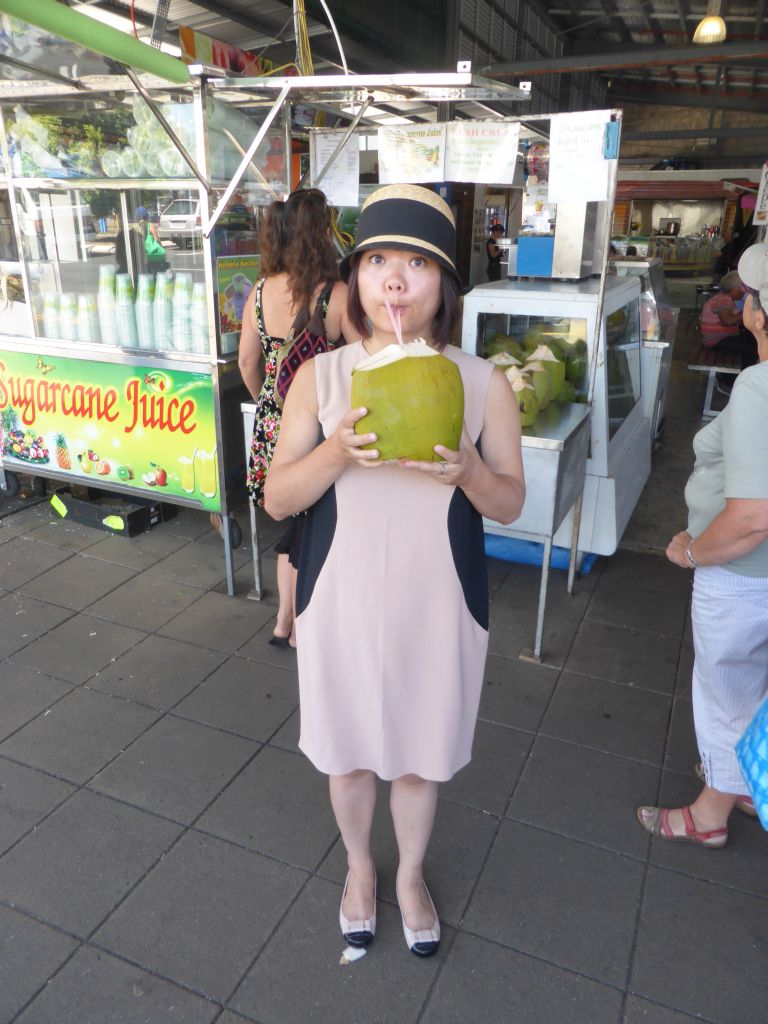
[711, 28]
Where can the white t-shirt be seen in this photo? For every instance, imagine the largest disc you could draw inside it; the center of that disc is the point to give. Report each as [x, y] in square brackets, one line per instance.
[732, 462]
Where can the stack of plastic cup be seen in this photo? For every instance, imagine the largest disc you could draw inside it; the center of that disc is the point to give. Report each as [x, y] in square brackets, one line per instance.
[162, 311]
[182, 308]
[127, 334]
[106, 304]
[199, 319]
[68, 316]
[51, 315]
[87, 319]
[145, 297]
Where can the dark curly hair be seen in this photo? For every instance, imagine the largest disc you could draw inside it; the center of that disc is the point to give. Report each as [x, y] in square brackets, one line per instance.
[296, 240]
[442, 325]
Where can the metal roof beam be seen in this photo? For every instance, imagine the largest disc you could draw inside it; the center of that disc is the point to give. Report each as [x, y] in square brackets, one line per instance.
[683, 98]
[694, 133]
[638, 58]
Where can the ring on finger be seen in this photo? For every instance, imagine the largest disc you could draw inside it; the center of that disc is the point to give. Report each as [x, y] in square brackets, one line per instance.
[443, 467]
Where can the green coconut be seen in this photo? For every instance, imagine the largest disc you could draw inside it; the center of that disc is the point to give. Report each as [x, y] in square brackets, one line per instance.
[542, 382]
[499, 342]
[555, 367]
[567, 392]
[415, 400]
[526, 400]
[504, 359]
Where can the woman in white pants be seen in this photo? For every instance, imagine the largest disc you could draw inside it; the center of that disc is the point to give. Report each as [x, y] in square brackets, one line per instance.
[727, 545]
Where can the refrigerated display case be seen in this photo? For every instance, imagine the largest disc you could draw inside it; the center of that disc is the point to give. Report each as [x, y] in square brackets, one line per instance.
[118, 367]
[517, 316]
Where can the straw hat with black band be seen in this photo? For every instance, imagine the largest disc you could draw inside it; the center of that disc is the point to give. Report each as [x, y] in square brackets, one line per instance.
[406, 217]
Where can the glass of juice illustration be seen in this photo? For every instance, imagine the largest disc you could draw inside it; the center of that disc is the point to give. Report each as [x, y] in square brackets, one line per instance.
[206, 468]
[187, 472]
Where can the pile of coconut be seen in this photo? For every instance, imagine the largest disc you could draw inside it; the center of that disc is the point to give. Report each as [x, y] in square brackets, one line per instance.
[541, 376]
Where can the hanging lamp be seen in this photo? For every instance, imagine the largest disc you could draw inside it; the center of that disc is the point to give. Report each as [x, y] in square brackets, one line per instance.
[711, 28]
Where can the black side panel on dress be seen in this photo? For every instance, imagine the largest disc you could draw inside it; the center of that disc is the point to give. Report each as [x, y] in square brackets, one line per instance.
[316, 540]
[465, 534]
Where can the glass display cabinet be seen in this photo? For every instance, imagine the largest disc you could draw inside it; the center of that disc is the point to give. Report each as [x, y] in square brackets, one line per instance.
[516, 316]
[118, 364]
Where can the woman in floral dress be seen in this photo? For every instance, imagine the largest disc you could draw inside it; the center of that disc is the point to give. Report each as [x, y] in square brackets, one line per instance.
[300, 271]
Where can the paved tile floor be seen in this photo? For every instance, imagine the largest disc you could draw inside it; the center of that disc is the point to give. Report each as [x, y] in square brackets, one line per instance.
[166, 854]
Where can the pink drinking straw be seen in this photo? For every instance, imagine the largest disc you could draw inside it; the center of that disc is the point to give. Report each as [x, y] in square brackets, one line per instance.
[394, 319]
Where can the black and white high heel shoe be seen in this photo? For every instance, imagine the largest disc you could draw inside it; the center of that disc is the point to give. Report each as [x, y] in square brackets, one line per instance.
[425, 942]
[358, 933]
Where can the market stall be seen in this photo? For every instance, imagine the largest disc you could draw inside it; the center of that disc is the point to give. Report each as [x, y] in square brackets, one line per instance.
[118, 342]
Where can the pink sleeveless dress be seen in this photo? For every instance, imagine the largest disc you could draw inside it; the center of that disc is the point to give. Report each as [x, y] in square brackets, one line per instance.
[392, 605]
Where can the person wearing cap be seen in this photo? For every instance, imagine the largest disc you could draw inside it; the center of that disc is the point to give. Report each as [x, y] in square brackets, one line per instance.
[726, 545]
[392, 598]
[722, 327]
[494, 253]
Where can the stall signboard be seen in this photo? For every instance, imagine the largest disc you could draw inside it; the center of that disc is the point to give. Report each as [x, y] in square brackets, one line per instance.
[235, 279]
[578, 167]
[340, 182]
[197, 48]
[760, 216]
[484, 152]
[412, 153]
[144, 429]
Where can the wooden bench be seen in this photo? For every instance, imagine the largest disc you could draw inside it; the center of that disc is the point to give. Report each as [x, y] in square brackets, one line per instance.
[714, 361]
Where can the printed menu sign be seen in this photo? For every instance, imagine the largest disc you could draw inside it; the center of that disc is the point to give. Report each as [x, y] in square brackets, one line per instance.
[482, 151]
[412, 154]
[761, 207]
[340, 182]
[578, 171]
[108, 423]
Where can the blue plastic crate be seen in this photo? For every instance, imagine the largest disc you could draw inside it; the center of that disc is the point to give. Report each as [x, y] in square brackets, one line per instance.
[529, 552]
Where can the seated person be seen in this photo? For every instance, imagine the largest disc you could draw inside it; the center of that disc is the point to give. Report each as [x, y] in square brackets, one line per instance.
[721, 323]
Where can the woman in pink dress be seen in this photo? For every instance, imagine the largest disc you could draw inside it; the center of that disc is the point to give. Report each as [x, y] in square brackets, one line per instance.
[392, 598]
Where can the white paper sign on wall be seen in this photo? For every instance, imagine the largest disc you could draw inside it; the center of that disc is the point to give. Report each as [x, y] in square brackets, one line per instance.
[578, 171]
[341, 182]
[484, 152]
[412, 154]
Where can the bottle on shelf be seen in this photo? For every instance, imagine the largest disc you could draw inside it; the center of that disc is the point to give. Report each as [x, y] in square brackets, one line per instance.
[182, 304]
[51, 315]
[162, 311]
[88, 319]
[145, 297]
[127, 333]
[106, 304]
[199, 319]
[68, 316]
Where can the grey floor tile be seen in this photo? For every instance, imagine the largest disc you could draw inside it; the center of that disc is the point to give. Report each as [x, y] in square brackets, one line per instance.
[299, 831]
[188, 523]
[682, 751]
[642, 1011]
[78, 582]
[260, 649]
[584, 794]
[158, 671]
[63, 533]
[95, 986]
[456, 853]
[22, 559]
[512, 633]
[243, 697]
[22, 620]
[24, 693]
[608, 716]
[219, 622]
[231, 1018]
[201, 564]
[139, 552]
[26, 796]
[625, 656]
[516, 693]
[297, 979]
[657, 611]
[716, 940]
[29, 953]
[685, 671]
[81, 860]
[202, 915]
[175, 769]
[287, 736]
[637, 571]
[145, 602]
[741, 865]
[79, 735]
[560, 900]
[485, 982]
[498, 756]
[78, 647]
[520, 590]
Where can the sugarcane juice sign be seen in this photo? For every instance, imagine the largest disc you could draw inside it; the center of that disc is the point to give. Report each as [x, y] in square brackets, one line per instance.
[104, 423]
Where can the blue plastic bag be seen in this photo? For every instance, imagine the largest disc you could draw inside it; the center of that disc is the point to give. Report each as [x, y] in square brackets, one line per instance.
[752, 754]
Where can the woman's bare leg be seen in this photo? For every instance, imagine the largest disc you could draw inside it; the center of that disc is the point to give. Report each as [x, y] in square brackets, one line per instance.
[294, 577]
[413, 802]
[353, 798]
[285, 592]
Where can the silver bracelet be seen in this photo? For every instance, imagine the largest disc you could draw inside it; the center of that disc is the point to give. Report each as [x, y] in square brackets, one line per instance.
[691, 560]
